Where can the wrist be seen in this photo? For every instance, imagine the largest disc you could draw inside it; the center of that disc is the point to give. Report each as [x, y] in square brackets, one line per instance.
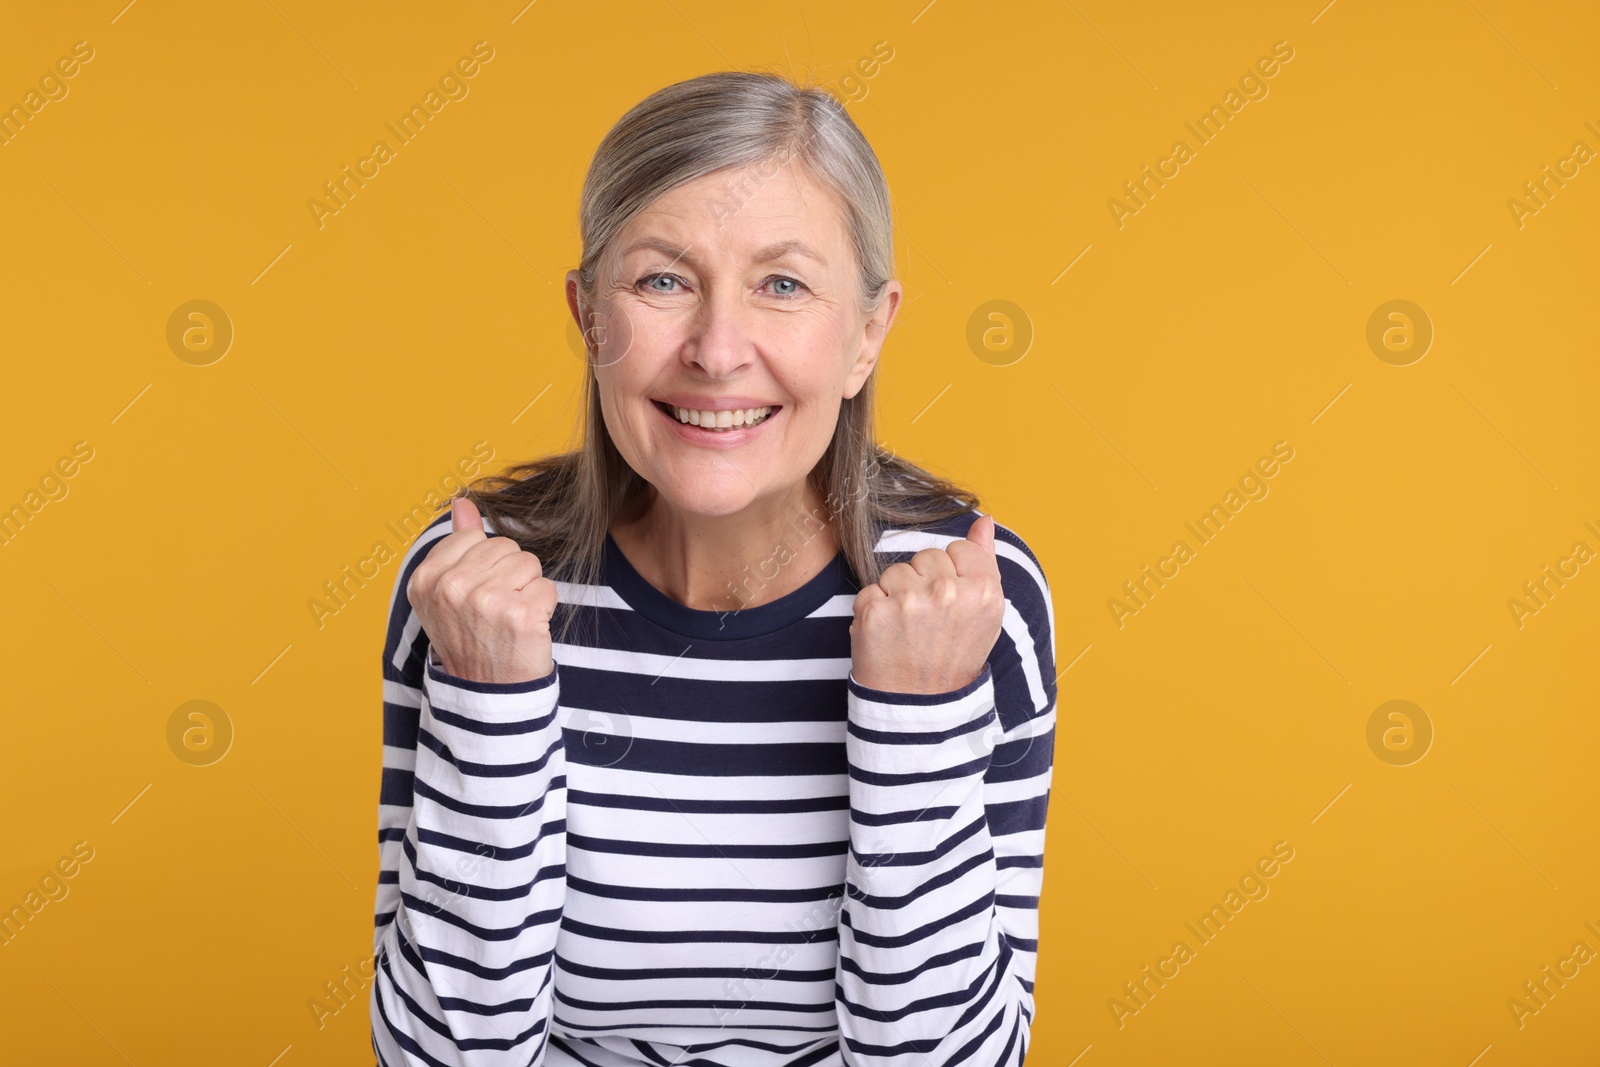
[939, 692]
[489, 679]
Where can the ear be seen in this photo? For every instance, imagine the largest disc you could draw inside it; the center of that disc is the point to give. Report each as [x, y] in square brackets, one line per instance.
[873, 333]
[575, 304]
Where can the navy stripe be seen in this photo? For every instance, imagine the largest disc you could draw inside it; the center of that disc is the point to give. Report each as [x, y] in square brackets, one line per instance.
[729, 806]
[635, 974]
[652, 756]
[674, 937]
[621, 892]
[705, 849]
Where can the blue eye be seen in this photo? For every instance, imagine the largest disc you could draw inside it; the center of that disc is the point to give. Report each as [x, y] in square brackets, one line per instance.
[779, 279]
[657, 277]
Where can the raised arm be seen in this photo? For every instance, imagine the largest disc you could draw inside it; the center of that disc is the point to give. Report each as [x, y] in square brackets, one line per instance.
[938, 935]
[472, 852]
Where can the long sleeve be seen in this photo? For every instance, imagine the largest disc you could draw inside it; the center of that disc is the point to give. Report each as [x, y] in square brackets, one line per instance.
[938, 933]
[472, 843]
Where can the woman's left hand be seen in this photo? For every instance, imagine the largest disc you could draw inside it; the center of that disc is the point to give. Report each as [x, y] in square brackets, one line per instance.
[928, 625]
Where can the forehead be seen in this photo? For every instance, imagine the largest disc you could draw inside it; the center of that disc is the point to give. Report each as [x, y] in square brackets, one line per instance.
[747, 213]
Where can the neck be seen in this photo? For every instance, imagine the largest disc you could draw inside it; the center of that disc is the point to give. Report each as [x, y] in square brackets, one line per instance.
[729, 562]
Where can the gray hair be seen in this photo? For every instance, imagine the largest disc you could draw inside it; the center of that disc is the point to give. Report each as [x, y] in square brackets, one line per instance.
[729, 120]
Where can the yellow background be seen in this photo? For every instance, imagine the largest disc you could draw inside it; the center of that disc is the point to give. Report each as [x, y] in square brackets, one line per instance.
[1229, 313]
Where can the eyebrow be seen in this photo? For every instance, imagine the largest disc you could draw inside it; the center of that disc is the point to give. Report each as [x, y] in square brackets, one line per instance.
[763, 255]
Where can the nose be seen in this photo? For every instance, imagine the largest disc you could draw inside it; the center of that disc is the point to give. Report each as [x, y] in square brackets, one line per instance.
[719, 339]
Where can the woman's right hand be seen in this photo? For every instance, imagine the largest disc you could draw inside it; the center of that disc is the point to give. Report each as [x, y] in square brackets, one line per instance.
[484, 603]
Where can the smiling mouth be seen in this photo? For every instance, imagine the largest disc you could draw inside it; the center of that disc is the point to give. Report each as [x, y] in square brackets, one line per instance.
[689, 417]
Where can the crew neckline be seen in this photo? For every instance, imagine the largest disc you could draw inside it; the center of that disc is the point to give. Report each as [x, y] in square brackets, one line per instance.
[658, 607]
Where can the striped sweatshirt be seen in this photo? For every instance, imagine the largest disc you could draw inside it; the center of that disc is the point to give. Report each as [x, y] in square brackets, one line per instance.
[699, 841]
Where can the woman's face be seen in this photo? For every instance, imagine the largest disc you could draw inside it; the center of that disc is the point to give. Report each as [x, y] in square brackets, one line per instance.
[736, 291]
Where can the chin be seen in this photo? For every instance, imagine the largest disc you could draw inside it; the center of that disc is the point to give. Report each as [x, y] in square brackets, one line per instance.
[715, 494]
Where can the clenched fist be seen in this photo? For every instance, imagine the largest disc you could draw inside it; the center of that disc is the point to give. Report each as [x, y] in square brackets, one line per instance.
[484, 603]
[928, 625]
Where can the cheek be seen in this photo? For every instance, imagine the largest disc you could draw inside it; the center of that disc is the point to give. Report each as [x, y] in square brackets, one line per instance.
[636, 427]
[619, 336]
[813, 420]
[622, 422]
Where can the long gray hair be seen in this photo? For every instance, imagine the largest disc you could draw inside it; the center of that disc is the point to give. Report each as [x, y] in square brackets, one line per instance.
[560, 507]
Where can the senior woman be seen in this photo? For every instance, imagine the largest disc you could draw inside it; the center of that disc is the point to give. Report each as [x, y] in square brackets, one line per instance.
[725, 737]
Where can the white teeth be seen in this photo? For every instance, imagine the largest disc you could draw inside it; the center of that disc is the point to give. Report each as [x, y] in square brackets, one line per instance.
[722, 420]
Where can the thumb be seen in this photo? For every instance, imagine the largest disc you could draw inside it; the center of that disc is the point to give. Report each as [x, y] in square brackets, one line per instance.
[464, 515]
[981, 532]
